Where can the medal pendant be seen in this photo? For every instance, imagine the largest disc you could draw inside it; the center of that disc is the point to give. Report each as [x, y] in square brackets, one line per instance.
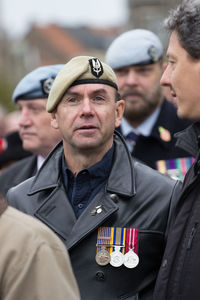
[102, 257]
[117, 258]
[131, 259]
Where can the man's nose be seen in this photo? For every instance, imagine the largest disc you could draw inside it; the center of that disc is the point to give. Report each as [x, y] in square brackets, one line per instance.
[165, 79]
[24, 119]
[87, 107]
[132, 78]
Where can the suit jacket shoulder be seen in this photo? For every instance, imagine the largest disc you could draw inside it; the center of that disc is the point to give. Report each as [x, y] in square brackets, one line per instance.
[17, 173]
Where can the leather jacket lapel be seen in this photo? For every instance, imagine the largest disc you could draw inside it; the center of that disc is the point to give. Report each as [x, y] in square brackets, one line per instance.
[89, 221]
[57, 213]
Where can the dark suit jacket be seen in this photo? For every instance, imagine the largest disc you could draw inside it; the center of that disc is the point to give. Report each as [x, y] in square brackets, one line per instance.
[152, 148]
[18, 172]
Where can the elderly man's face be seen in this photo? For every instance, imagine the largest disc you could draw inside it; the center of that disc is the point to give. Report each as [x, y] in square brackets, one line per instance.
[87, 116]
[35, 127]
[140, 87]
[182, 75]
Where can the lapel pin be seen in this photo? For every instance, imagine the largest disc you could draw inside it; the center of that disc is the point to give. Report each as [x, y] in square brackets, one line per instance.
[97, 210]
[165, 135]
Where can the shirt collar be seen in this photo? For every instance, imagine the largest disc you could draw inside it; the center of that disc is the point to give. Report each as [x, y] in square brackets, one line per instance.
[98, 171]
[40, 160]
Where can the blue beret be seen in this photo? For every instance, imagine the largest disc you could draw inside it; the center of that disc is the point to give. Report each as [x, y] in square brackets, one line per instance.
[37, 83]
[134, 47]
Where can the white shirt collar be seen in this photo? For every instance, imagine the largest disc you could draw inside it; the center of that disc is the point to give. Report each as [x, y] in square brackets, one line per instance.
[40, 160]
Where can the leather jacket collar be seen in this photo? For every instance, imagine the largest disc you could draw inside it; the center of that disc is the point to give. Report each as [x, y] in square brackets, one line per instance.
[189, 139]
[49, 176]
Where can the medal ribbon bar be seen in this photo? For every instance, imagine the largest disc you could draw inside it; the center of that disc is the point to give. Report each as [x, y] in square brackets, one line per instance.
[131, 239]
[118, 236]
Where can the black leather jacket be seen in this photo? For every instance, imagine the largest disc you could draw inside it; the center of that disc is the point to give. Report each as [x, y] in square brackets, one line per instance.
[180, 271]
[135, 196]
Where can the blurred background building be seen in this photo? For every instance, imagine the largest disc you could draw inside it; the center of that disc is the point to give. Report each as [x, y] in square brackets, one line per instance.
[54, 43]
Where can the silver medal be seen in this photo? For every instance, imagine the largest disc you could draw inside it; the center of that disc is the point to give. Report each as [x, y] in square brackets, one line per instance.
[116, 257]
[131, 259]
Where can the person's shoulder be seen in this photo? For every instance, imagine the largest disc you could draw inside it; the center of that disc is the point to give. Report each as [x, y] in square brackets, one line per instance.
[149, 175]
[29, 231]
[17, 173]
[15, 167]
[22, 186]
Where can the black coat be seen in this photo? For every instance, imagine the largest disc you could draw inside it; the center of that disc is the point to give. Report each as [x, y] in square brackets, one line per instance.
[17, 172]
[152, 148]
[180, 272]
[134, 196]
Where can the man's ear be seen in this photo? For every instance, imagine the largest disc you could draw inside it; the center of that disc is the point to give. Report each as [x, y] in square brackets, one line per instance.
[54, 122]
[119, 111]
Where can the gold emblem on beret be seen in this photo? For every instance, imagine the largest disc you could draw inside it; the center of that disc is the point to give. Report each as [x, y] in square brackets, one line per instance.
[47, 84]
[96, 67]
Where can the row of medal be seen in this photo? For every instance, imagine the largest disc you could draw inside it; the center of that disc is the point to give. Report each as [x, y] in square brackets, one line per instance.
[117, 246]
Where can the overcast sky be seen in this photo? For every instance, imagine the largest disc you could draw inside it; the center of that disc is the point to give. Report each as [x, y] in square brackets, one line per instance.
[17, 15]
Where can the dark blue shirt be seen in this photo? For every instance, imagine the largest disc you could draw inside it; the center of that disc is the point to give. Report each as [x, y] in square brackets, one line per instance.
[82, 188]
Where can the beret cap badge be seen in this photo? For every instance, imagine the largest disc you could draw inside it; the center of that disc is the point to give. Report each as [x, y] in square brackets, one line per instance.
[153, 53]
[96, 67]
[47, 84]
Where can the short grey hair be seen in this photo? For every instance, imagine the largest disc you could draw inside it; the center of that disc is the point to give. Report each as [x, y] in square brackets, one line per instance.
[185, 21]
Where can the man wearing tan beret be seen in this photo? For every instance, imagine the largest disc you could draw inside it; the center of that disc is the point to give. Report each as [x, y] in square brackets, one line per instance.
[112, 212]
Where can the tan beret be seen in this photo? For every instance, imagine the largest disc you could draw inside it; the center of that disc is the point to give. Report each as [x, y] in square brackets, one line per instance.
[79, 70]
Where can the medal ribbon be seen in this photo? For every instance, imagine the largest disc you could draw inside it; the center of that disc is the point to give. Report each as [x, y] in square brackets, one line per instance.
[131, 239]
[103, 238]
[118, 236]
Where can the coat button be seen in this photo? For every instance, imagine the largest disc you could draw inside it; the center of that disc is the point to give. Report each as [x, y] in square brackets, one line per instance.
[114, 198]
[100, 276]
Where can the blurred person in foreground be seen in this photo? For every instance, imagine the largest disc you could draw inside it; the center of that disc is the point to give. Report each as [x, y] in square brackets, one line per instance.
[180, 271]
[112, 213]
[150, 120]
[34, 263]
[38, 137]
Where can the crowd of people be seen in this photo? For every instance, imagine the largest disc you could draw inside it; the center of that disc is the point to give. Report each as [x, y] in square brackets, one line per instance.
[86, 212]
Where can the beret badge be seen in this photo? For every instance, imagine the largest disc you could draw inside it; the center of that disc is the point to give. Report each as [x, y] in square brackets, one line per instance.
[96, 67]
[153, 53]
[47, 84]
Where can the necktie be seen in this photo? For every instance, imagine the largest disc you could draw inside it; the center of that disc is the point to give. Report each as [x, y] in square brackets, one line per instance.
[132, 138]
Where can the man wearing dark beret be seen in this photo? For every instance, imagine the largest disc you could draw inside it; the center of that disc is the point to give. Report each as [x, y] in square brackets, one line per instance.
[37, 135]
[112, 213]
[150, 120]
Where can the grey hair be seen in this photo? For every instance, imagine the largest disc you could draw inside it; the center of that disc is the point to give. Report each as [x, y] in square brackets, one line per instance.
[185, 21]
